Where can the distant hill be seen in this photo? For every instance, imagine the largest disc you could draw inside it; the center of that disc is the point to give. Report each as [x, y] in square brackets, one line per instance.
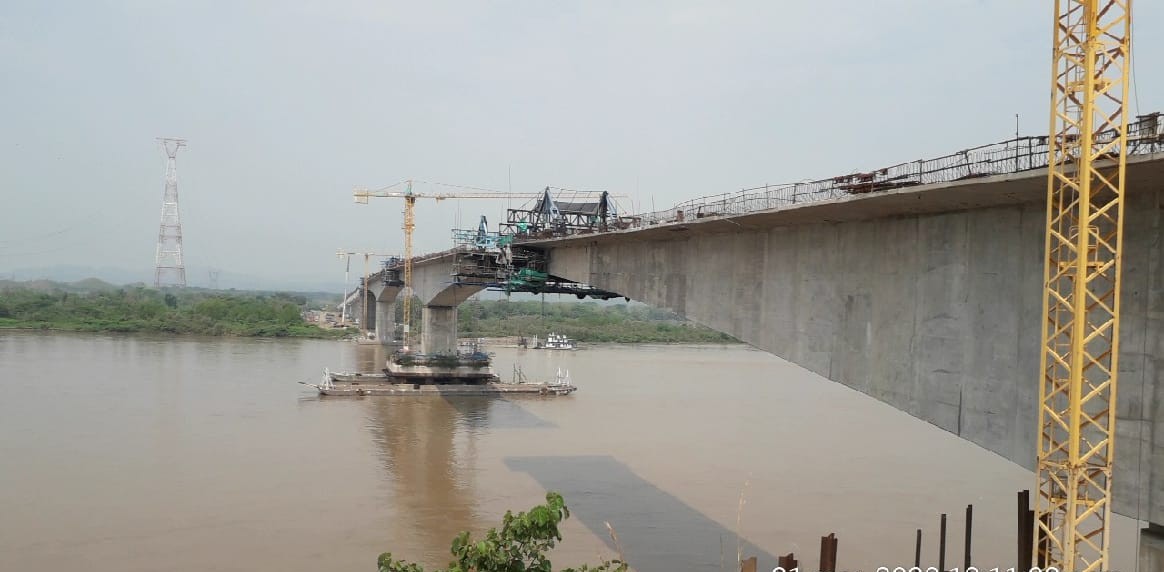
[91, 285]
[88, 285]
[195, 275]
[72, 273]
[80, 286]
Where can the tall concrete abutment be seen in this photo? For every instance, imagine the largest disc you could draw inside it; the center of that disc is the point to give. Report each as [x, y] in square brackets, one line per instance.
[928, 299]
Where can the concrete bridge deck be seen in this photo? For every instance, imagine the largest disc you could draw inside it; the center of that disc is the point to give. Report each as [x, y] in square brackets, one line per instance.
[918, 284]
[928, 298]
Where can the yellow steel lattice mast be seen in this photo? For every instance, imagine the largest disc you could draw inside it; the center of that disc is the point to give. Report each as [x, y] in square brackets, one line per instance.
[1085, 192]
[408, 226]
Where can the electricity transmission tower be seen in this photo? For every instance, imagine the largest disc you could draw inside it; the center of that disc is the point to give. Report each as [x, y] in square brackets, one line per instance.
[168, 267]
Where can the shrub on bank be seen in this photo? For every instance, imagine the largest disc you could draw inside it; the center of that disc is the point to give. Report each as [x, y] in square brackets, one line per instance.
[521, 545]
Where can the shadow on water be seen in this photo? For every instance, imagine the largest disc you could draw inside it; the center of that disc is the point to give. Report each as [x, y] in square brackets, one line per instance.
[430, 478]
[496, 413]
[474, 412]
[427, 448]
[658, 531]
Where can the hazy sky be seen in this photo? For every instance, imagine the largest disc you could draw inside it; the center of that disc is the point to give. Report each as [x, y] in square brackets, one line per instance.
[287, 106]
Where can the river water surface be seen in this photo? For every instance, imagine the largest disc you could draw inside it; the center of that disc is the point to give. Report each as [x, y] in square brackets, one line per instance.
[153, 454]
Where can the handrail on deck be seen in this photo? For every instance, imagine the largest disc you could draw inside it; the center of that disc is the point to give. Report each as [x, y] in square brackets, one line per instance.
[1145, 136]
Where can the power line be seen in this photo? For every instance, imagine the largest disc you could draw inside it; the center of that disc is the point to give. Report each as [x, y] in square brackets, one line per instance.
[35, 253]
[67, 228]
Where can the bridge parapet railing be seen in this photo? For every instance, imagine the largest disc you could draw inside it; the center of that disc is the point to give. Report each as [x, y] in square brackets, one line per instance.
[1145, 136]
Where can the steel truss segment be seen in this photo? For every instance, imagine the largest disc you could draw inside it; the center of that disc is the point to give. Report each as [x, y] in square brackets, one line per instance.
[1085, 188]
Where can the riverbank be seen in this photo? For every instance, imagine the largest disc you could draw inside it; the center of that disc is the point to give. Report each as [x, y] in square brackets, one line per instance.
[143, 310]
[305, 331]
[582, 321]
[130, 309]
[513, 342]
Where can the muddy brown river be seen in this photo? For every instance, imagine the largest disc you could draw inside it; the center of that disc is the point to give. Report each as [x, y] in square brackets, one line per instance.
[122, 453]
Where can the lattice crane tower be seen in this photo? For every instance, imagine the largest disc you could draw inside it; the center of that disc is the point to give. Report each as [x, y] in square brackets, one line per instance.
[1081, 302]
[168, 267]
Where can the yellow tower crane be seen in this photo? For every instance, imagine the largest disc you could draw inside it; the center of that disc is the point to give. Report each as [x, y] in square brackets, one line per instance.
[1081, 298]
[405, 192]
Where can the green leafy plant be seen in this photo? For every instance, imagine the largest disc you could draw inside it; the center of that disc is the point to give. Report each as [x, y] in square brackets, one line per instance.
[520, 546]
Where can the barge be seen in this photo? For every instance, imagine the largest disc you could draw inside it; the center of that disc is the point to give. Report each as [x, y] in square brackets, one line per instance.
[454, 374]
[348, 377]
[443, 389]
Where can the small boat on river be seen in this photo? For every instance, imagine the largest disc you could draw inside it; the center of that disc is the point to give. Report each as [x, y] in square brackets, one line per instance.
[347, 377]
[553, 342]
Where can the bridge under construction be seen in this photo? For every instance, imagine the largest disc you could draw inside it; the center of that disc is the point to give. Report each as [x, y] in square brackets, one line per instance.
[918, 284]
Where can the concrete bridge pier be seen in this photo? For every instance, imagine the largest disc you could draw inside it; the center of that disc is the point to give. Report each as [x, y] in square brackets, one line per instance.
[381, 313]
[1152, 547]
[434, 283]
[438, 329]
[385, 321]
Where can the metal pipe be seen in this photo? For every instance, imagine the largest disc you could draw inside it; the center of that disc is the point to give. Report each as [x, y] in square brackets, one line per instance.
[828, 553]
[942, 545]
[969, 528]
[787, 562]
[917, 551]
[1026, 531]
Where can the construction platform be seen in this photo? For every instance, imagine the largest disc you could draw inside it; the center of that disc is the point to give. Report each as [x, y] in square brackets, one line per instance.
[443, 389]
[453, 374]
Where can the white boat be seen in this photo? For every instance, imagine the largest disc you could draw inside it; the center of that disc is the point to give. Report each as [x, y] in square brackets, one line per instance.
[554, 342]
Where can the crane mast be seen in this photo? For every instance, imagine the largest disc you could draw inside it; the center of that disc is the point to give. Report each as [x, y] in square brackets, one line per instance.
[408, 226]
[1081, 298]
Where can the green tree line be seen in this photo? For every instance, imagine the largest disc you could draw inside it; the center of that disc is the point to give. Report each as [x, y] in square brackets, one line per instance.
[583, 321]
[215, 313]
[140, 309]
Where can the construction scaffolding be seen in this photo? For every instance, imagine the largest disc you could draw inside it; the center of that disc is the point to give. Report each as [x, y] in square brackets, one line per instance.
[391, 270]
[491, 260]
[480, 255]
[564, 212]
